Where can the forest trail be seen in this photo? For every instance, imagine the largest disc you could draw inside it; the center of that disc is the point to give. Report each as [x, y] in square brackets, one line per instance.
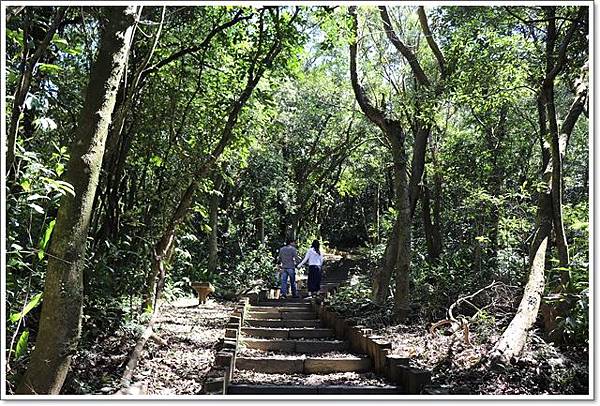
[285, 349]
[147, 149]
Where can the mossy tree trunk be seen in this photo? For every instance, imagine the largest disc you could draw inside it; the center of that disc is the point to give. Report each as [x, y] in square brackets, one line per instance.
[60, 322]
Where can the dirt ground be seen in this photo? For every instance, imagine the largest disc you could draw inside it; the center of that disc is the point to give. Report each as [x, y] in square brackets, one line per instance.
[464, 368]
[460, 368]
[191, 333]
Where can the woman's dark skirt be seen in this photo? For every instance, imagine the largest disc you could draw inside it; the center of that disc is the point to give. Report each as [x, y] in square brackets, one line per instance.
[314, 278]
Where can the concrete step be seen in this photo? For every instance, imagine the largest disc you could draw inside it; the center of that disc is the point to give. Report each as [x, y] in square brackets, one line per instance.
[311, 332]
[300, 307]
[296, 346]
[283, 305]
[290, 315]
[246, 389]
[301, 365]
[266, 332]
[281, 323]
[286, 300]
[288, 332]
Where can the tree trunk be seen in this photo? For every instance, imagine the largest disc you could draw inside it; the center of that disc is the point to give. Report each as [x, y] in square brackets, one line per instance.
[418, 163]
[401, 298]
[406, 188]
[383, 275]
[557, 186]
[397, 239]
[60, 322]
[378, 214]
[495, 140]
[163, 247]
[437, 204]
[514, 337]
[23, 86]
[213, 219]
[432, 231]
[555, 62]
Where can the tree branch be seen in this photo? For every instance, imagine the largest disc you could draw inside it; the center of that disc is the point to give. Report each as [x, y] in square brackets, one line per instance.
[562, 49]
[403, 49]
[432, 44]
[374, 114]
[182, 52]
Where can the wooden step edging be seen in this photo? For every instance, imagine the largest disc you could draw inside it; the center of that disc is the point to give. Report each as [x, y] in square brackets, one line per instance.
[221, 373]
[396, 369]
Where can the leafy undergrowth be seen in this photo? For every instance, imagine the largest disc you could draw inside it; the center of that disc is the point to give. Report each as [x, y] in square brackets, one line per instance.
[191, 333]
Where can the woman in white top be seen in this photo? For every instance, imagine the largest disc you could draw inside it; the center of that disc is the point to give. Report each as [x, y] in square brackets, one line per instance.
[315, 262]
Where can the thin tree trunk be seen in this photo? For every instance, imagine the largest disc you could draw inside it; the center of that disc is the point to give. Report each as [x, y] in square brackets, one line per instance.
[554, 64]
[418, 163]
[383, 275]
[495, 141]
[60, 322]
[557, 186]
[437, 203]
[213, 219]
[432, 232]
[401, 298]
[162, 248]
[27, 66]
[378, 214]
[257, 67]
[396, 245]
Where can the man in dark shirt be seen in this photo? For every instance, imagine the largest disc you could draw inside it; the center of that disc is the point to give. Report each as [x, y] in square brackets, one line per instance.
[288, 259]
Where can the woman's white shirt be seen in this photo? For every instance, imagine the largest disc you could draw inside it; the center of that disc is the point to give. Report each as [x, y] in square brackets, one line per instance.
[312, 257]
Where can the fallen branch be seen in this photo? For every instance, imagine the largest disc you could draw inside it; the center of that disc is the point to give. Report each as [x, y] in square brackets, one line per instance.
[466, 298]
[461, 323]
[438, 324]
[137, 351]
[158, 339]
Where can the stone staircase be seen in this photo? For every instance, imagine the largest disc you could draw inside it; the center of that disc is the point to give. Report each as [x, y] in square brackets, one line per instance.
[285, 349]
